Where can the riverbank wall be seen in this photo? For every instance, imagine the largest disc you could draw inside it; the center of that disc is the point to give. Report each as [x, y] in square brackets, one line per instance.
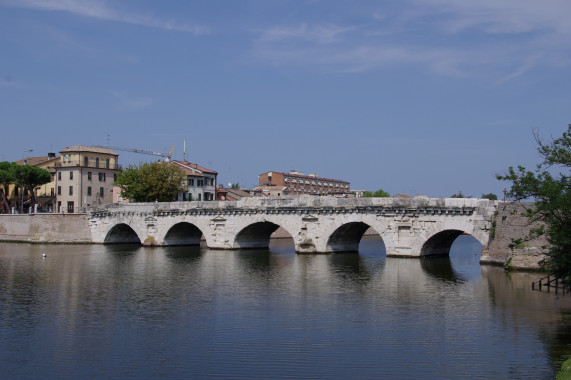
[509, 224]
[45, 228]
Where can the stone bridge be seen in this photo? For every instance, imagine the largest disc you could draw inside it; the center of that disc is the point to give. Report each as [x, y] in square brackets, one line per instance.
[408, 227]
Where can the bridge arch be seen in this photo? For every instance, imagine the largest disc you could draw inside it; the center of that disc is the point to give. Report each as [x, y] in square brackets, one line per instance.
[346, 235]
[183, 233]
[256, 235]
[438, 241]
[120, 234]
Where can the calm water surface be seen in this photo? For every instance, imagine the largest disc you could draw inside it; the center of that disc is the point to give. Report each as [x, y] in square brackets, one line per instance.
[189, 312]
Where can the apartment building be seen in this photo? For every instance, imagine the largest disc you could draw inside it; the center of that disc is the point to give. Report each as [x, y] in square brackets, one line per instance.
[84, 176]
[201, 182]
[296, 183]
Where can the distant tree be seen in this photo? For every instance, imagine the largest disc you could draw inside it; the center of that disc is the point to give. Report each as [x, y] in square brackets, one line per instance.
[490, 196]
[30, 177]
[377, 194]
[552, 207]
[6, 178]
[149, 182]
[236, 185]
[459, 195]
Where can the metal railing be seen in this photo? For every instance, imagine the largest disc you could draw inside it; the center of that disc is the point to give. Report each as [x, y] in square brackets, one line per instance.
[551, 282]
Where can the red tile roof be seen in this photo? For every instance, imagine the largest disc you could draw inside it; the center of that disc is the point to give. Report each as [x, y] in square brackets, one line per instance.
[191, 168]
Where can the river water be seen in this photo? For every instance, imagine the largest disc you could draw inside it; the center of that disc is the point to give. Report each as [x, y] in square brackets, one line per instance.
[122, 311]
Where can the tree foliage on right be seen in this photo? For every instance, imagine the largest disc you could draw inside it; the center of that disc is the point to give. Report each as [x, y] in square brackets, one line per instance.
[549, 186]
[150, 182]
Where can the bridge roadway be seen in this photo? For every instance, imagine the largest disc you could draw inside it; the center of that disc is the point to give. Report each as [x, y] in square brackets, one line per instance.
[409, 227]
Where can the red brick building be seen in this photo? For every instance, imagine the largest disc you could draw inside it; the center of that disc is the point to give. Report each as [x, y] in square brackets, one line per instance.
[297, 183]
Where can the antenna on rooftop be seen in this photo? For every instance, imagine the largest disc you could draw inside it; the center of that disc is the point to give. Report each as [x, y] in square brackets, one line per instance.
[184, 151]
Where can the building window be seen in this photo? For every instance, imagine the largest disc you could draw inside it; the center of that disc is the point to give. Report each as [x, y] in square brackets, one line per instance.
[115, 177]
[59, 190]
[101, 192]
[52, 191]
[70, 207]
[89, 176]
[88, 190]
[59, 176]
[199, 197]
[96, 162]
[102, 177]
[85, 161]
[191, 182]
[107, 163]
[71, 190]
[70, 175]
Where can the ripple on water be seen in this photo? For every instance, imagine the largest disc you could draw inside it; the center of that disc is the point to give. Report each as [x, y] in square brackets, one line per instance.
[132, 312]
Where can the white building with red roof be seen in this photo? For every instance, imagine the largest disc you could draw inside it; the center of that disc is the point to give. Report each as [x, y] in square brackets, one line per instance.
[201, 182]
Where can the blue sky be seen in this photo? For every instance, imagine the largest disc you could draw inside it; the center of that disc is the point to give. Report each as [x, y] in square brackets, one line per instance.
[419, 97]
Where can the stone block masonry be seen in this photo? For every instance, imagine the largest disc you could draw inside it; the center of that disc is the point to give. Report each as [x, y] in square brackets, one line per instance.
[509, 224]
[45, 228]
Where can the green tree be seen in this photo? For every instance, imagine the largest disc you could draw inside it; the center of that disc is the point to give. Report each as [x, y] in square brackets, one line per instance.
[149, 182]
[377, 194]
[459, 195]
[30, 177]
[552, 207]
[6, 178]
[490, 196]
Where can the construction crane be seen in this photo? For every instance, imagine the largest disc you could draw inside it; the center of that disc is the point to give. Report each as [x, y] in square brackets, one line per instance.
[134, 150]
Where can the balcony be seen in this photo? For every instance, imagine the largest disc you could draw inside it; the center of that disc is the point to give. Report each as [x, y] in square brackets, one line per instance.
[209, 188]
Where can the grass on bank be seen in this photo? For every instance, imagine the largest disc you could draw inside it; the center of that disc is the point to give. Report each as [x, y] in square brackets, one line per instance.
[565, 373]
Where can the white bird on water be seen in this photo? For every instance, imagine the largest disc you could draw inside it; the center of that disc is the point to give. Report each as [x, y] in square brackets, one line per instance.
[44, 255]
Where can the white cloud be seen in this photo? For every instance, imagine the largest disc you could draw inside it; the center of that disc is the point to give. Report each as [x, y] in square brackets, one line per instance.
[97, 9]
[502, 40]
[506, 16]
[527, 65]
[320, 34]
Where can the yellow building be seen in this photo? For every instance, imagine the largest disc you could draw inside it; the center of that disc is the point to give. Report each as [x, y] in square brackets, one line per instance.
[84, 177]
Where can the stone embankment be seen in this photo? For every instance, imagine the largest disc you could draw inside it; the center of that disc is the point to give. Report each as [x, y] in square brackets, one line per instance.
[45, 228]
[510, 224]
